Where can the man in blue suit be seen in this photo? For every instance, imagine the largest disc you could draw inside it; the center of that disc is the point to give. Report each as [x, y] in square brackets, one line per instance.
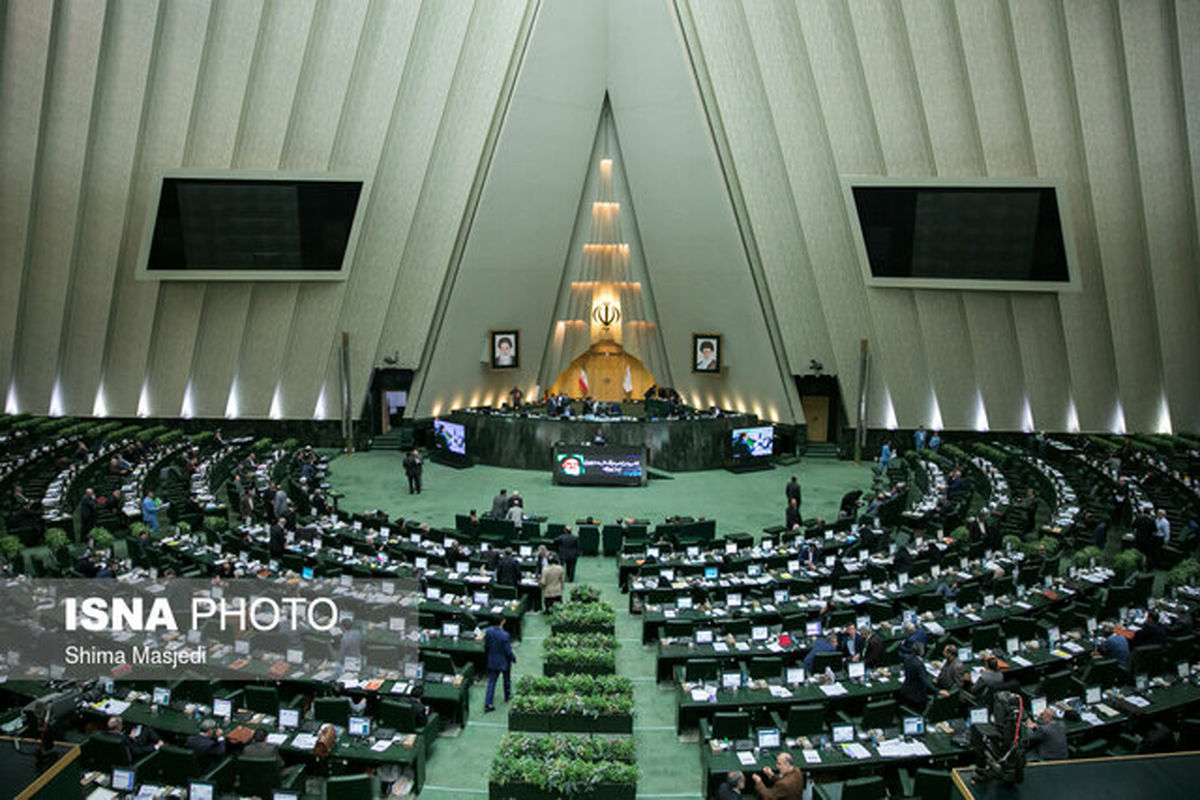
[497, 647]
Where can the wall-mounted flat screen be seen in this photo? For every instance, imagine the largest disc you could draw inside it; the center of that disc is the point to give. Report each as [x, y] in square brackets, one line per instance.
[752, 442]
[613, 465]
[450, 437]
[239, 225]
[985, 235]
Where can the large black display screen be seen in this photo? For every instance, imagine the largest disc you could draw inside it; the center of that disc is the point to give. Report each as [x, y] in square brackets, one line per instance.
[613, 465]
[962, 233]
[243, 225]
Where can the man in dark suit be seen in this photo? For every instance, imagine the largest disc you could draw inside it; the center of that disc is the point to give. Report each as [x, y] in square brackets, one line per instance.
[208, 745]
[853, 645]
[500, 504]
[497, 648]
[791, 519]
[261, 748]
[874, 650]
[1151, 633]
[731, 788]
[508, 571]
[278, 538]
[1048, 737]
[568, 551]
[917, 686]
[141, 742]
[792, 490]
[87, 511]
[412, 469]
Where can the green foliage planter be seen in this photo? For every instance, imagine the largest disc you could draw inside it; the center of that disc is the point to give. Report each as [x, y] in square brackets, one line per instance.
[1084, 556]
[1185, 573]
[583, 617]
[1127, 562]
[12, 548]
[531, 721]
[585, 594]
[572, 767]
[585, 653]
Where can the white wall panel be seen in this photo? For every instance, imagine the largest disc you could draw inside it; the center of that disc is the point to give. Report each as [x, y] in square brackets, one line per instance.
[24, 59]
[1161, 143]
[70, 88]
[1099, 73]
[166, 116]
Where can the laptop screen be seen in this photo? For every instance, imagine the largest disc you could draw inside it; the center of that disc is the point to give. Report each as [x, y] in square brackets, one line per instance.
[914, 726]
[122, 779]
[768, 737]
[360, 726]
[704, 636]
[289, 717]
[843, 733]
[759, 633]
[795, 675]
[979, 716]
[222, 707]
[857, 669]
[731, 680]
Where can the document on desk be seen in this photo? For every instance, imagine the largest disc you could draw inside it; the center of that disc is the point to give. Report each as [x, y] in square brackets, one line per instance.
[304, 741]
[277, 739]
[934, 628]
[973, 617]
[746, 758]
[114, 708]
[1021, 661]
[1134, 700]
[1090, 718]
[833, 689]
[812, 757]
[720, 647]
[780, 691]
[742, 646]
[700, 695]
[380, 746]
[856, 750]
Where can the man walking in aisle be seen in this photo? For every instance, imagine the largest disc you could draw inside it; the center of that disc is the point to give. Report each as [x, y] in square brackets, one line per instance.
[412, 468]
[497, 648]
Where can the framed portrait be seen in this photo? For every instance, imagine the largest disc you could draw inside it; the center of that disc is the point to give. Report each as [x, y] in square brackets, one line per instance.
[706, 352]
[506, 349]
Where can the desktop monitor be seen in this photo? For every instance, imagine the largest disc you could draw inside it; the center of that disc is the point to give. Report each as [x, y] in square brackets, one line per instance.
[693, 552]
[525, 551]
[864, 584]
[462, 566]
[843, 734]
[1036, 706]
[480, 598]
[222, 708]
[289, 718]
[824, 591]
[914, 726]
[795, 676]
[731, 680]
[1141, 682]
[432, 593]
[450, 630]
[768, 738]
[733, 599]
[759, 633]
[965, 654]
[667, 575]
[704, 636]
[360, 726]
[1092, 695]
[781, 595]
[123, 779]
[162, 696]
[812, 629]
[684, 602]
[753, 570]
[201, 790]
[281, 795]
[421, 562]
[1011, 645]
[307, 572]
[731, 547]
[652, 552]
[414, 672]
[710, 573]
[1183, 669]
[857, 669]
[979, 716]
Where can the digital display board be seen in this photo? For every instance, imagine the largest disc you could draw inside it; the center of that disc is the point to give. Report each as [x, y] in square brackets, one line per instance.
[614, 465]
[450, 437]
[752, 442]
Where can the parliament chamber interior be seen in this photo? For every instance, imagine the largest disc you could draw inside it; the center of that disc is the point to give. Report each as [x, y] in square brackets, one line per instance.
[606, 400]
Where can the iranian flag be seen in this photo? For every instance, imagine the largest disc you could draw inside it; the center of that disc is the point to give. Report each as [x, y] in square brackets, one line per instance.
[583, 381]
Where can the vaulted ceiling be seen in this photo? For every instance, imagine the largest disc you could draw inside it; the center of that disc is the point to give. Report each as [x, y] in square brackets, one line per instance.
[782, 100]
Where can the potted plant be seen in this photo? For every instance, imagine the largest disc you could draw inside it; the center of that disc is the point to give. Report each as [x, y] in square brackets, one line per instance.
[102, 539]
[13, 550]
[1086, 555]
[1185, 573]
[57, 540]
[1127, 562]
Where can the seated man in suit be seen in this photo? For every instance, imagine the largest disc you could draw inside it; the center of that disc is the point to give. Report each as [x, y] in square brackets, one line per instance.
[731, 788]
[208, 745]
[142, 741]
[821, 645]
[786, 782]
[1047, 737]
[261, 748]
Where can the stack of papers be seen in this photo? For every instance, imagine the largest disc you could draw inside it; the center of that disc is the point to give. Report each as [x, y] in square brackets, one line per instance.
[304, 741]
[780, 691]
[856, 750]
[833, 689]
[746, 758]
[1140, 702]
[812, 757]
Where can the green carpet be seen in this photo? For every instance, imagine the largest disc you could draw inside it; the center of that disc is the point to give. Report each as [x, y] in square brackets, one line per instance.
[668, 768]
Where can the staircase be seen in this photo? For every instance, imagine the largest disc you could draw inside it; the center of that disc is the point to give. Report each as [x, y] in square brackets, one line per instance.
[395, 439]
[826, 451]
